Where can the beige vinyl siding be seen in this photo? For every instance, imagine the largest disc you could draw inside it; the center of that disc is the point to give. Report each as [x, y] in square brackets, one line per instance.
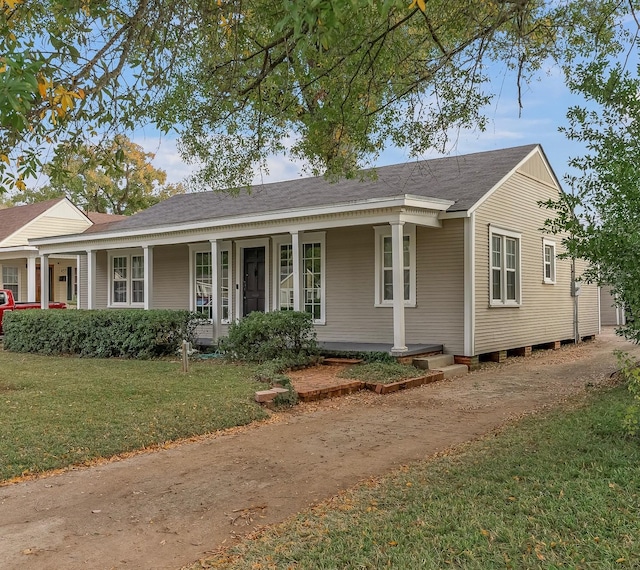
[610, 315]
[45, 227]
[439, 315]
[350, 283]
[60, 267]
[536, 168]
[171, 277]
[102, 281]
[588, 311]
[546, 311]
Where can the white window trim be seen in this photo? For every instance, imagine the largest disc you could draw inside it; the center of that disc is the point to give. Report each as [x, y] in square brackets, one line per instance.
[549, 243]
[206, 248]
[128, 253]
[497, 231]
[305, 238]
[380, 233]
[17, 267]
[277, 242]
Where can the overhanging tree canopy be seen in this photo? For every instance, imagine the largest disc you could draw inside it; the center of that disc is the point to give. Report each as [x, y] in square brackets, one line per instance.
[239, 79]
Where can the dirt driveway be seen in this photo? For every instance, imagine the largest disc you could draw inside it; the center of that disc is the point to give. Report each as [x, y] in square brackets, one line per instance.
[168, 508]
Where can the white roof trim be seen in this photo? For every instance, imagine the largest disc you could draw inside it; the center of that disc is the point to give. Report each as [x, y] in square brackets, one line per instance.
[47, 211]
[536, 150]
[404, 200]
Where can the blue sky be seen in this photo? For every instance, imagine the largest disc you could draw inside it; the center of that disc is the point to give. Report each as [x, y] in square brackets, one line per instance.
[545, 102]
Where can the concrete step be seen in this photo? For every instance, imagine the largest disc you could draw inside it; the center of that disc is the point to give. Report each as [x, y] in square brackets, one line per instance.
[453, 370]
[433, 362]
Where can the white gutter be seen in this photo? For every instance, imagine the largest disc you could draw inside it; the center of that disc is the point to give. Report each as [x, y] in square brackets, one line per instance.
[288, 214]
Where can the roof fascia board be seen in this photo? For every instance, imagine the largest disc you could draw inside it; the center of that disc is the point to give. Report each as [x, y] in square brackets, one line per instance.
[508, 175]
[428, 218]
[336, 209]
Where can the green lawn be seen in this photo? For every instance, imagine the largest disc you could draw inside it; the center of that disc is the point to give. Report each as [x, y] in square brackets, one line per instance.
[561, 491]
[59, 411]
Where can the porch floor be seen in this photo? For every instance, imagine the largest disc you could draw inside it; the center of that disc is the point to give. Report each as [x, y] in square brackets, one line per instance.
[347, 346]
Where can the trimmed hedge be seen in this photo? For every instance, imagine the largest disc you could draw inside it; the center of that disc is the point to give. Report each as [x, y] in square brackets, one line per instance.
[126, 333]
[283, 335]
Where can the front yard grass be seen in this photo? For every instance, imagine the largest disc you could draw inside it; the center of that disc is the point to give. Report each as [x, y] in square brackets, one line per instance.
[554, 491]
[61, 411]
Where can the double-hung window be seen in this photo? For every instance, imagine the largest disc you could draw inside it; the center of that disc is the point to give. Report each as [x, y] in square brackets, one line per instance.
[127, 280]
[384, 265]
[504, 275]
[10, 276]
[549, 261]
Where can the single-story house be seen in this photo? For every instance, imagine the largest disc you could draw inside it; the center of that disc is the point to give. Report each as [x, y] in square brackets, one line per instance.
[20, 262]
[447, 251]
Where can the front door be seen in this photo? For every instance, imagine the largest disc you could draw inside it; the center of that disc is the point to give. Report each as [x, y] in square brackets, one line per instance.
[39, 284]
[254, 280]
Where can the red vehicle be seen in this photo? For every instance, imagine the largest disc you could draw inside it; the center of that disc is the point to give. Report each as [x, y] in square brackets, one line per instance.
[8, 303]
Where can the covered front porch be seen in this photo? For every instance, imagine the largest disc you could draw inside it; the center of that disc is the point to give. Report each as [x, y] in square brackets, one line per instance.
[353, 269]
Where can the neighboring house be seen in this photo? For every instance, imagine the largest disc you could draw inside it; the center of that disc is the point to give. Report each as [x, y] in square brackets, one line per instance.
[610, 312]
[447, 251]
[20, 262]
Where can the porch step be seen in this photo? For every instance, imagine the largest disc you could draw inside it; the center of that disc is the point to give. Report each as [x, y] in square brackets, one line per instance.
[454, 370]
[436, 362]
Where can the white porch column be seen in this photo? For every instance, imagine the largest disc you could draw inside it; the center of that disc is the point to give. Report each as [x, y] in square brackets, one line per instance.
[78, 282]
[44, 281]
[148, 276]
[215, 287]
[397, 234]
[297, 277]
[31, 279]
[91, 279]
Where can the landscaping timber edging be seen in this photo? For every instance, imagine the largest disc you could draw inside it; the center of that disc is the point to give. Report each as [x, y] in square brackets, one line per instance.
[380, 388]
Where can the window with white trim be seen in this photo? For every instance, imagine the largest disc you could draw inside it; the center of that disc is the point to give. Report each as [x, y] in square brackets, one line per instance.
[10, 277]
[384, 265]
[225, 286]
[312, 269]
[549, 261]
[504, 275]
[127, 280]
[285, 277]
[202, 284]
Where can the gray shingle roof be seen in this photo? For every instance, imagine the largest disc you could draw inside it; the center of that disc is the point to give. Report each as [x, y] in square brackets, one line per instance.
[464, 179]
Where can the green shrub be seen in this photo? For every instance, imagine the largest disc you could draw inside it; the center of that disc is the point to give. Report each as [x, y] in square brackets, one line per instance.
[378, 356]
[283, 335]
[630, 372]
[128, 333]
